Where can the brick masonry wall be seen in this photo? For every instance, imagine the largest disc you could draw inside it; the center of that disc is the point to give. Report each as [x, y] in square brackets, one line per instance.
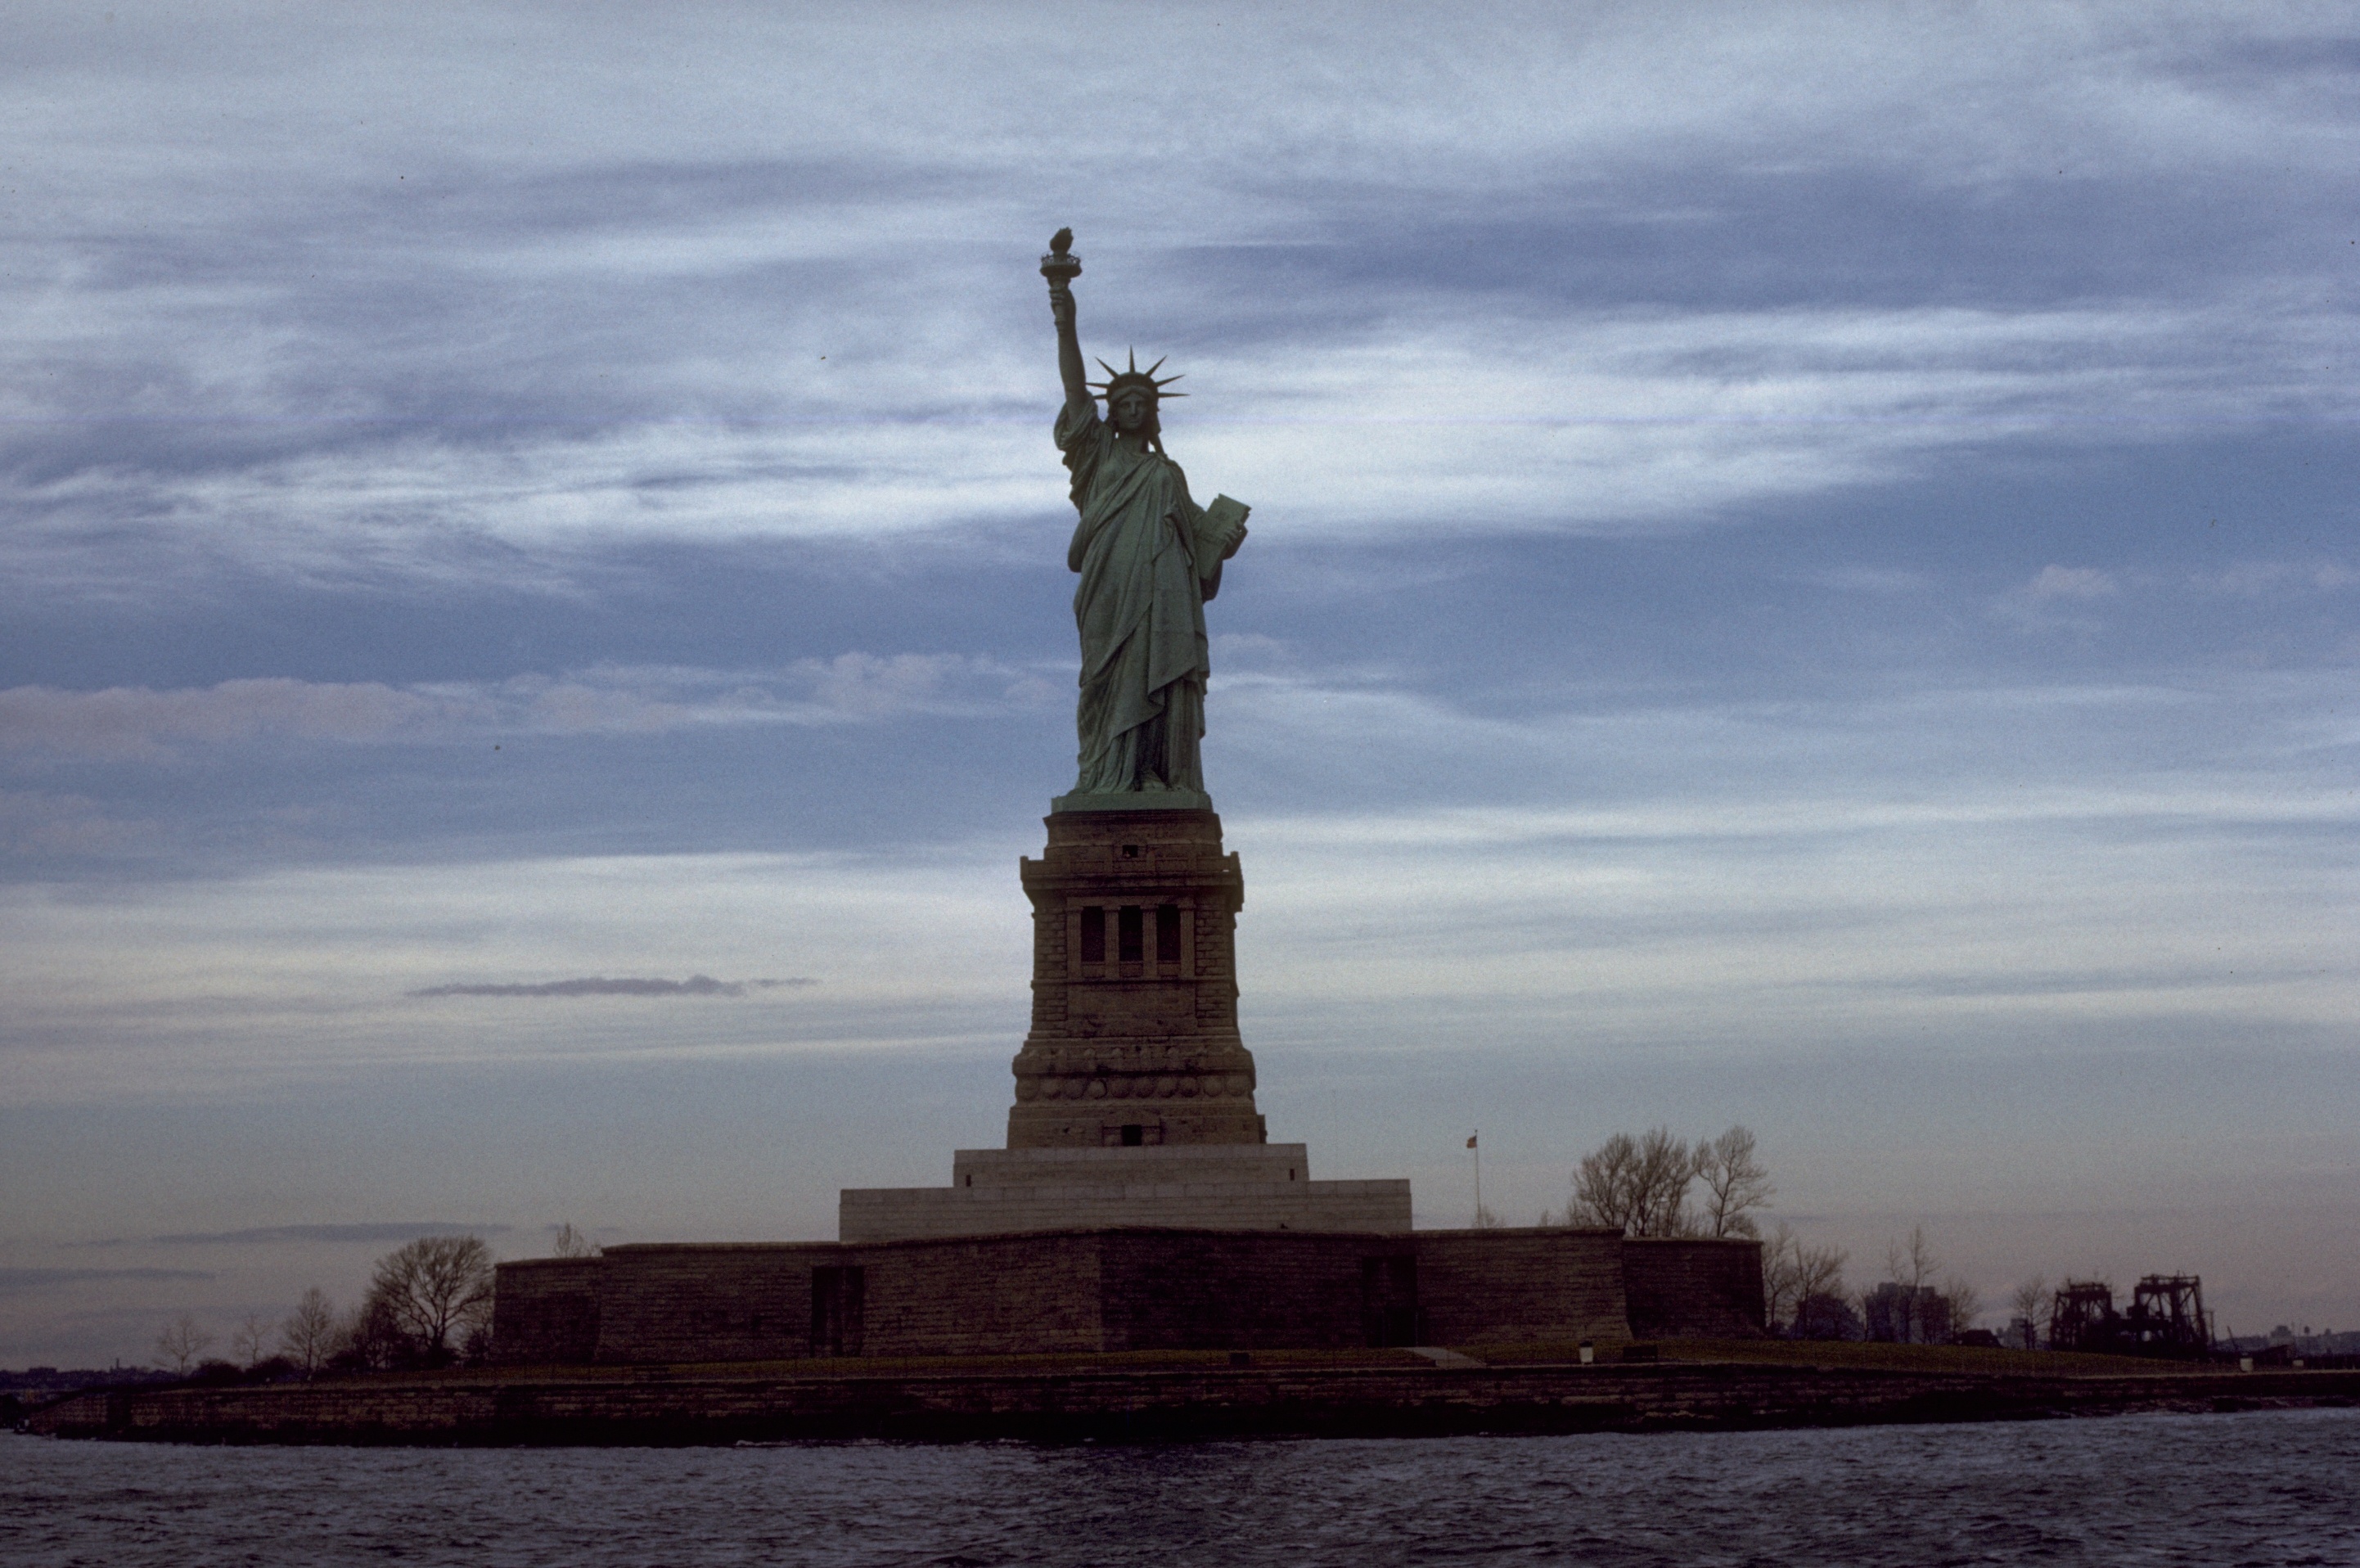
[1509, 1285]
[1680, 1287]
[546, 1311]
[1122, 1290]
[1239, 1290]
[674, 1303]
[1106, 1290]
[983, 1296]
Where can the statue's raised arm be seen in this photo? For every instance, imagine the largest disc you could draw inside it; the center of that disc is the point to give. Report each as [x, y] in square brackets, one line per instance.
[1061, 267]
[1148, 558]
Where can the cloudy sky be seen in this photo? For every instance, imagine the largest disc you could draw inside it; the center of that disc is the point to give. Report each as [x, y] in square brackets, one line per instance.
[1804, 573]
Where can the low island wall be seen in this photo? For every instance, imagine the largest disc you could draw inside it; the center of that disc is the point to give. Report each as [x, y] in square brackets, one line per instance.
[1048, 1292]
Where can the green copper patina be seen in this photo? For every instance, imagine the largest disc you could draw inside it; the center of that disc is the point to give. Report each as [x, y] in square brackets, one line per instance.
[1148, 558]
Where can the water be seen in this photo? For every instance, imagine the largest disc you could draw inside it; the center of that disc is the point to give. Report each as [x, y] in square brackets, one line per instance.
[2276, 1487]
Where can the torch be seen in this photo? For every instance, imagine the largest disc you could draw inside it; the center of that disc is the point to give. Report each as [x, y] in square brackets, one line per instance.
[1061, 266]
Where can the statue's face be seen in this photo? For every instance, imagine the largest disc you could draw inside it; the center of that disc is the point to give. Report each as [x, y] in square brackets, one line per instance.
[1131, 411]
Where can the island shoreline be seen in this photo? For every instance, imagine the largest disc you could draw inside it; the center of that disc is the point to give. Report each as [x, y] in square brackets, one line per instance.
[592, 1407]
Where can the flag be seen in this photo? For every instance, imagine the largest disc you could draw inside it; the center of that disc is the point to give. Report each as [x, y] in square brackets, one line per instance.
[1470, 1142]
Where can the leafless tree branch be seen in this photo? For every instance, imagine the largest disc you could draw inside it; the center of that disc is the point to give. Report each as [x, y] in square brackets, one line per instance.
[1735, 1181]
[182, 1341]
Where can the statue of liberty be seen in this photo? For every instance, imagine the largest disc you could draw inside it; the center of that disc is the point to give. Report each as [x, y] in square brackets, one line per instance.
[1148, 558]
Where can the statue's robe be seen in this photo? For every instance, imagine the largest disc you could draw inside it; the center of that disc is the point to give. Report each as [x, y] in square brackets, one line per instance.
[1148, 558]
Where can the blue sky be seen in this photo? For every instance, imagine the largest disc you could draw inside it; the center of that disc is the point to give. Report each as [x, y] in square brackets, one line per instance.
[1803, 572]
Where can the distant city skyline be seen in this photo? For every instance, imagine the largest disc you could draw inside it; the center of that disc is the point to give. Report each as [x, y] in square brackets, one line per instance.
[1803, 574]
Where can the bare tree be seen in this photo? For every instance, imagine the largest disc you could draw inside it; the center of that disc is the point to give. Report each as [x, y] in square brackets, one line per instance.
[1793, 1273]
[1735, 1183]
[1965, 1302]
[434, 1288]
[1666, 1167]
[1779, 1284]
[571, 1242]
[367, 1339]
[1639, 1186]
[1820, 1270]
[2029, 1301]
[182, 1341]
[251, 1339]
[1603, 1185]
[1912, 1268]
[309, 1335]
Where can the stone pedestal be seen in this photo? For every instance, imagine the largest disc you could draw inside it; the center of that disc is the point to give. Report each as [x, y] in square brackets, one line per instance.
[1134, 1039]
[1134, 1095]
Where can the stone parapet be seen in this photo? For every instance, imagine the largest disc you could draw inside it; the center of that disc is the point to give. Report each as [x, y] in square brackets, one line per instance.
[1134, 801]
[1163, 1165]
[882, 1214]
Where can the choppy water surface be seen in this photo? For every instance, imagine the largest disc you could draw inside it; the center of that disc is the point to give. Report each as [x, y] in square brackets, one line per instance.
[2275, 1488]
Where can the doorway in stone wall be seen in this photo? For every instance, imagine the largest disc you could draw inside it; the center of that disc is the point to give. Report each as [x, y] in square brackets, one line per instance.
[1389, 1314]
[838, 1296]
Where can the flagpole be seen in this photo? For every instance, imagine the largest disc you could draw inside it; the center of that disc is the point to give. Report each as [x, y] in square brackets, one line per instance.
[1474, 1140]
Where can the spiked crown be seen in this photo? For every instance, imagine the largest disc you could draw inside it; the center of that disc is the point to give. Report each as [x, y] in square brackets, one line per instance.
[1134, 379]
